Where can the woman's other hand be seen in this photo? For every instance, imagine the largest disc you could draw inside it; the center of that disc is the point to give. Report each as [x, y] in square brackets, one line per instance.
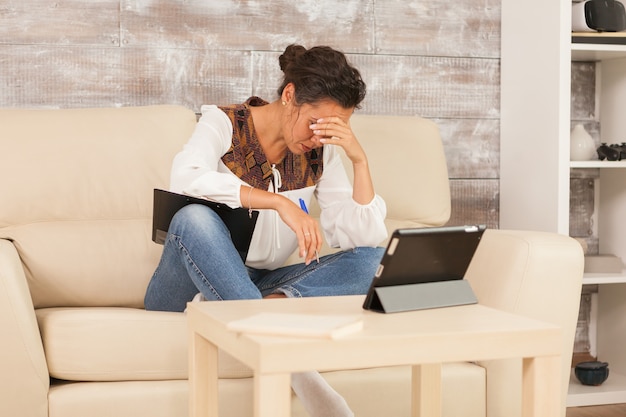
[334, 131]
[304, 226]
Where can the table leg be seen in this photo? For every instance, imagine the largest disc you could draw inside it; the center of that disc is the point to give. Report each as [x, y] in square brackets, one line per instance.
[203, 394]
[426, 390]
[272, 395]
[541, 387]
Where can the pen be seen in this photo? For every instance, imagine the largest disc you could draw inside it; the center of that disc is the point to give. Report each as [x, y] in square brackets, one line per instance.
[304, 209]
[303, 206]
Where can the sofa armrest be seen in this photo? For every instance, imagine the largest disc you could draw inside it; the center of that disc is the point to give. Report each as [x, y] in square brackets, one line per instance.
[533, 274]
[24, 383]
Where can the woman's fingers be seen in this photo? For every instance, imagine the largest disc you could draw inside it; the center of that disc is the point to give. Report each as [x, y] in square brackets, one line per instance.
[334, 131]
[310, 245]
[332, 127]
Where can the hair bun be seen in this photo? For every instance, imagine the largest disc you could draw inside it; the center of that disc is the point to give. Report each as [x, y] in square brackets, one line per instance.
[321, 73]
[291, 54]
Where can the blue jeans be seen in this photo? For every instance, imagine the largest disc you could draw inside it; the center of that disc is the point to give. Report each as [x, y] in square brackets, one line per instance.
[199, 256]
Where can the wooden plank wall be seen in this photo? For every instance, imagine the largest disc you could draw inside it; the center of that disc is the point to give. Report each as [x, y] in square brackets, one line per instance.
[582, 189]
[429, 58]
[583, 110]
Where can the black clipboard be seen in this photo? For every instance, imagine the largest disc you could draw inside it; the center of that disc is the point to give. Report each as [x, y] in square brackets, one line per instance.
[238, 220]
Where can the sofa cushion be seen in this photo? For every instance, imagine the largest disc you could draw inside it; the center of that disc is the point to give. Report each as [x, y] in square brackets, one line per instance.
[168, 398]
[77, 198]
[120, 344]
[379, 391]
[408, 166]
[88, 262]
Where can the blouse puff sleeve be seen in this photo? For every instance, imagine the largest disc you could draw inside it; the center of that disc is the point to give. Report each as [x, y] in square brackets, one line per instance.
[346, 223]
[197, 170]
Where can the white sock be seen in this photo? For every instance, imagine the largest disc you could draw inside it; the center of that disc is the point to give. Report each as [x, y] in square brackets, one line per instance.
[197, 298]
[318, 398]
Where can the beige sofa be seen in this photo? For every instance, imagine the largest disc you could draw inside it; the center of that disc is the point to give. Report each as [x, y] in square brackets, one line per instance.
[76, 256]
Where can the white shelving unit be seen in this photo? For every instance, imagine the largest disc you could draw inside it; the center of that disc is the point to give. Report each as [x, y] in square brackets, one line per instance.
[536, 59]
[611, 392]
[596, 53]
[599, 278]
[598, 164]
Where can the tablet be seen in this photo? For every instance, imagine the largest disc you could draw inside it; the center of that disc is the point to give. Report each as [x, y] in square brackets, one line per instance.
[415, 256]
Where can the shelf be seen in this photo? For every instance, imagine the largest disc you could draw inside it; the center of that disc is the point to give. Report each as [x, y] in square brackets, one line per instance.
[597, 164]
[597, 52]
[604, 278]
[540, 198]
[612, 391]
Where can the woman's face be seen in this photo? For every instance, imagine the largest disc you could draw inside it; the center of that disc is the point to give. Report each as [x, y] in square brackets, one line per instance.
[298, 135]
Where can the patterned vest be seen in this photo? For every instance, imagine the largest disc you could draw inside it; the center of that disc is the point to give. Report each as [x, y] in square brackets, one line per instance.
[246, 159]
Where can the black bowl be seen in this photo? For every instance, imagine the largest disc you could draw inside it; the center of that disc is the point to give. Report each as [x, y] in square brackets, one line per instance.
[592, 373]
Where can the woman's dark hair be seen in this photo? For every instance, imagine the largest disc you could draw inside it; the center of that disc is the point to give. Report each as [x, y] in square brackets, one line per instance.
[321, 73]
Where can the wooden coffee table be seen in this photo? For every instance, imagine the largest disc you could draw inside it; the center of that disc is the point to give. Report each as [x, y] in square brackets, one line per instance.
[424, 339]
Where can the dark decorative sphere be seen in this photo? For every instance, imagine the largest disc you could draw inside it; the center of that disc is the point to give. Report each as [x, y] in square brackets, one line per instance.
[592, 373]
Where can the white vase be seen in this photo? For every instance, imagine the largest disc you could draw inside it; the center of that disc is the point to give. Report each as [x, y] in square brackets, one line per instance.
[582, 146]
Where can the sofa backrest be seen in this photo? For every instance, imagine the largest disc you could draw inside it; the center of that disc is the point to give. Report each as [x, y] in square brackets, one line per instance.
[408, 167]
[76, 198]
[76, 192]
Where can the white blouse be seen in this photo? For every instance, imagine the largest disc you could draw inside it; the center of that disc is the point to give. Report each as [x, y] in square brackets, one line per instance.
[199, 171]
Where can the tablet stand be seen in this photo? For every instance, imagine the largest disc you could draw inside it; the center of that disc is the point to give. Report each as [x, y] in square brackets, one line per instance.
[422, 296]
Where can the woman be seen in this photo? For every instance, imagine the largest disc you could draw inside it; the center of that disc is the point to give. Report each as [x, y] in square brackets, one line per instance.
[266, 157]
